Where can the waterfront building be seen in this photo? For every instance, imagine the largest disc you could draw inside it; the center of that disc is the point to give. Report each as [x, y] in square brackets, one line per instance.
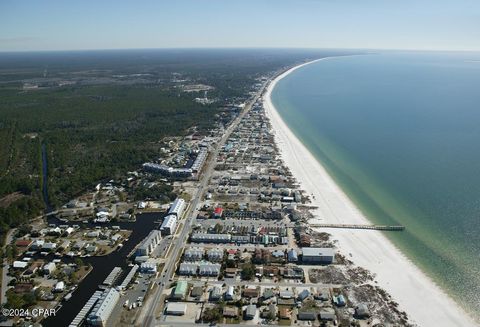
[169, 225]
[318, 255]
[103, 307]
[177, 207]
[149, 243]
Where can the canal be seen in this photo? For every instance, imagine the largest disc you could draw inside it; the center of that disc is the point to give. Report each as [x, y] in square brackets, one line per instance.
[102, 266]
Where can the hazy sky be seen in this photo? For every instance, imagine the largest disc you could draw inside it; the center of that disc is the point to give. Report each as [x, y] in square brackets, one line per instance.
[387, 24]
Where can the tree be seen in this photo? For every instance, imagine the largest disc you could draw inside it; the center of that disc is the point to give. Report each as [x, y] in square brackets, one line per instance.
[248, 271]
[79, 262]
[212, 314]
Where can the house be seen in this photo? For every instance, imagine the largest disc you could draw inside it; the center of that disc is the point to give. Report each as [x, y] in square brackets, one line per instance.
[339, 300]
[361, 311]
[303, 295]
[322, 294]
[292, 256]
[268, 294]
[79, 245]
[215, 294]
[307, 315]
[230, 272]
[250, 312]
[49, 268]
[69, 230]
[197, 292]
[33, 267]
[230, 312]
[278, 254]
[49, 246]
[286, 295]
[284, 313]
[176, 309]
[327, 314]
[23, 243]
[218, 212]
[270, 271]
[37, 244]
[229, 294]
[91, 248]
[20, 264]
[59, 287]
[251, 292]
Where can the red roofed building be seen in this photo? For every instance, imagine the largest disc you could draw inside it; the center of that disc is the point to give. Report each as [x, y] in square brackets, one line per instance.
[23, 243]
[218, 212]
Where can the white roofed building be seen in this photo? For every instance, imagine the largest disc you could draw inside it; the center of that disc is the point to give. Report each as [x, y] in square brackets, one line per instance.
[103, 308]
[149, 243]
[169, 225]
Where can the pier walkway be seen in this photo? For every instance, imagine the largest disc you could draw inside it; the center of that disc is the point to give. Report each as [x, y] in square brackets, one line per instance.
[347, 226]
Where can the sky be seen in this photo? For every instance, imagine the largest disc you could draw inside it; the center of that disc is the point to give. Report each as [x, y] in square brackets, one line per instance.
[32, 25]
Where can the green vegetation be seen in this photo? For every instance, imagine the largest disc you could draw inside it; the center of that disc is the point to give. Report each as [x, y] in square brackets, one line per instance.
[212, 314]
[18, 301]
[101, 114]
[248, 271]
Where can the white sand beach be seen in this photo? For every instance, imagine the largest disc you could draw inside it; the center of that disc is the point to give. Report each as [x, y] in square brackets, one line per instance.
[424, 302]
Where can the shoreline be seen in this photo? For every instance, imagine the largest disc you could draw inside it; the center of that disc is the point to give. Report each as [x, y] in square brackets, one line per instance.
[423, 301]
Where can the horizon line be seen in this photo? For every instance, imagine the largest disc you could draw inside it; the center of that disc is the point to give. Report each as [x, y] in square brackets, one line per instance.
[241, 48]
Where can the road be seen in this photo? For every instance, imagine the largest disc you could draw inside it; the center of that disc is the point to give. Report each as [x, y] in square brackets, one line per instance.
[180, 241]
[5, 278]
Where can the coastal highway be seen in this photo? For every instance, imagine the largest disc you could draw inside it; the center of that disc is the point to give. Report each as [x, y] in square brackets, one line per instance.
[192, 211]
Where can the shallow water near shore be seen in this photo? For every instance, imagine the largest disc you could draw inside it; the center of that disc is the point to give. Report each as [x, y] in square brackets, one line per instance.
[400, 133]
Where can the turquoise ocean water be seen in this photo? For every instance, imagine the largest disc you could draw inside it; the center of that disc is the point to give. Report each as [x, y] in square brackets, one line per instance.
[400, 133]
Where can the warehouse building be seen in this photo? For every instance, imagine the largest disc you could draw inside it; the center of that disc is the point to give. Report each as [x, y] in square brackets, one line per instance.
[176, 309]
[103, 307]
[180, 290]
[149, 243]
[317, 255]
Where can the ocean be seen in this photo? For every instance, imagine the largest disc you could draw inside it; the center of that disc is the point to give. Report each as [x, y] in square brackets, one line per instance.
[400, 134]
